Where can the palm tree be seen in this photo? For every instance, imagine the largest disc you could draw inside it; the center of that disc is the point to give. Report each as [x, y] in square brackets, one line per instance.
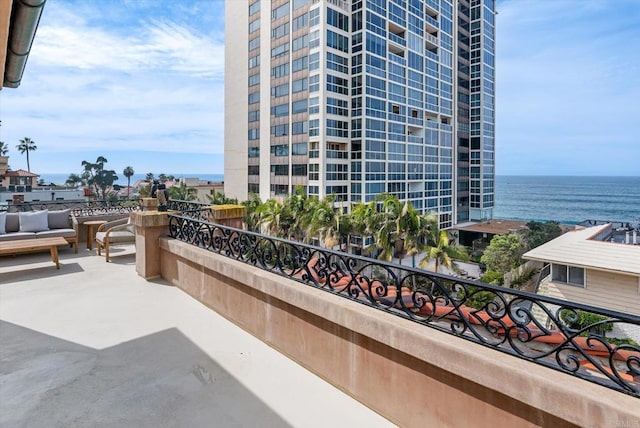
[441, 250]
[4, 149]
[128, 172]
[320, 220]
[182, 192]
[274, 218]
[252, 218]
[26, 146]
[73, 180]
[364, 221]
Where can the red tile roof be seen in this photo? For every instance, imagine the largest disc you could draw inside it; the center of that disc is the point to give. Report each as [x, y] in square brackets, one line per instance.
[20, 173]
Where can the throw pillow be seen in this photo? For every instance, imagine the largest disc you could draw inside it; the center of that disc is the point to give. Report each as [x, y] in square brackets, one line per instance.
[36, 221]
[59, 219]
[3, 221]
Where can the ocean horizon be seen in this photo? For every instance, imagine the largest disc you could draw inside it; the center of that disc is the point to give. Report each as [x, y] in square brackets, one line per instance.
[566, 199]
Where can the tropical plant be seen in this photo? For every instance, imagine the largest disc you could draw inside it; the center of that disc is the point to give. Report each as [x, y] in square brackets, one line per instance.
[4, 149]
[274, 218]
[128, 172]
[252, 217]
[74, 180]
[26, 145]
[219, 198]
[182, 192]
[320, 221]
[363, 220]
[441, 250]
[100, 178]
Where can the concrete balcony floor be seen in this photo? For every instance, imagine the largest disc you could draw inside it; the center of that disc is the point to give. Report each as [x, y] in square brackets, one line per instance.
[95, 345]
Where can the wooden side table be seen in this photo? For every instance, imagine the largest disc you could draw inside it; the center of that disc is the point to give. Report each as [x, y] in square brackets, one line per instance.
[90, 236]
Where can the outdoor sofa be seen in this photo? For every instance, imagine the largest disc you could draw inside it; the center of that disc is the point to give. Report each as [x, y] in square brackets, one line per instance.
[38, 224]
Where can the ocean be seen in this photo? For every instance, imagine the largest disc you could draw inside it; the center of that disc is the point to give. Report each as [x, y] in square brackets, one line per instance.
[122, 180]
[564, 199]
[568, 199]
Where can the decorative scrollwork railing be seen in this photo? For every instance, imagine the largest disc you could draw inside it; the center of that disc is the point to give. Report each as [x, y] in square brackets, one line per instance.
[78, 208]
[179, 205]
[526, 325]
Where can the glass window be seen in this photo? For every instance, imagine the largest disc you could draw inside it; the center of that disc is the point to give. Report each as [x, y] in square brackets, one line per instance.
[280, 31]
[300, 128]
[300, 85]
[254, 7]
[280, 90]
[299, 106]
[254, 79]
[300, 22]
[280, 50]
[571, 275]
[280, 110]
[254, 25]
[299, 148]
[337, 41]
[280, 11]
[300, 63]
[254, 43]
[338, 20]
[280, 150]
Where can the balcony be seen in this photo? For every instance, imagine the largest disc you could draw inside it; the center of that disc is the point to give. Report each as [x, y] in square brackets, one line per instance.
[377, 339]
[94, 344]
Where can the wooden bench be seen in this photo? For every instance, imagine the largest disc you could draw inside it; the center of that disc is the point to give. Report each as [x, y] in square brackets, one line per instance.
[32, 245]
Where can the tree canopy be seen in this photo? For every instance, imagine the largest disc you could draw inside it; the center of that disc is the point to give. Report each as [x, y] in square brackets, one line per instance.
[97, 176]
[538, 233]
[26, 145]
[503, 253]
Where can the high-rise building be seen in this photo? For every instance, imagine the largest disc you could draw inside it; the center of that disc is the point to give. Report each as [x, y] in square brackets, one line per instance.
[362, 97]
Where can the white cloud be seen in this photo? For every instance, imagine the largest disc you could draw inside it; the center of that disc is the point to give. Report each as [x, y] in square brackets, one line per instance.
[566, 85]
[94, 83]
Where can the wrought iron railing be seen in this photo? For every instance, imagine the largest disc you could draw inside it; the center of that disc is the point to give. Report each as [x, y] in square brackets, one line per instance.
[78, 208]
[178, 205]
[508, 320]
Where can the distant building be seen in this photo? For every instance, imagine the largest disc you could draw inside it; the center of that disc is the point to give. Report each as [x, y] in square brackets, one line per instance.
[586, 267]
[358, 98]
[20, 186]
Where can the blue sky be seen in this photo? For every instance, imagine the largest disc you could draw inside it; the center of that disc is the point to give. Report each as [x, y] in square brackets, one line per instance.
[141, 83]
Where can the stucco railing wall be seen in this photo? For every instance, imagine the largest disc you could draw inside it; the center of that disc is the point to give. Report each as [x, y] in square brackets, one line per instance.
[413, 375]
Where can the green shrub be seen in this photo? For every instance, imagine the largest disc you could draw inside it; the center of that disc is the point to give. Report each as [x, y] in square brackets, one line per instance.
[625, 341]
[584, 320]
[478, 299]
[493, 277]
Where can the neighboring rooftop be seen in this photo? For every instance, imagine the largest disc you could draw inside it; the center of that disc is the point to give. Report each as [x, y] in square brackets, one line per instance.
[20, 173]
[495, 226]
[586, 248]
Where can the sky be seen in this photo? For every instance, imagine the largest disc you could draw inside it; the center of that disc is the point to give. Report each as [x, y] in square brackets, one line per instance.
[141, 82]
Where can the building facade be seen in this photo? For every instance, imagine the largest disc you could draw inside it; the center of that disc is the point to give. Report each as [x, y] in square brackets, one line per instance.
[362, 97]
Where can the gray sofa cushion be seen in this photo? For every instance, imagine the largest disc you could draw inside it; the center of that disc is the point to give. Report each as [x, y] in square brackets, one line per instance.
[14, 236]
[36, 221]
[13, 223]
[65, 233]
[59, 219]
[3, 222]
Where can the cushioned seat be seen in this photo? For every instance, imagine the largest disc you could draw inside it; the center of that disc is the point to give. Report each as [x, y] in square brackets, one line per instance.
[64, 233]
[17, 235]
[114, 233]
